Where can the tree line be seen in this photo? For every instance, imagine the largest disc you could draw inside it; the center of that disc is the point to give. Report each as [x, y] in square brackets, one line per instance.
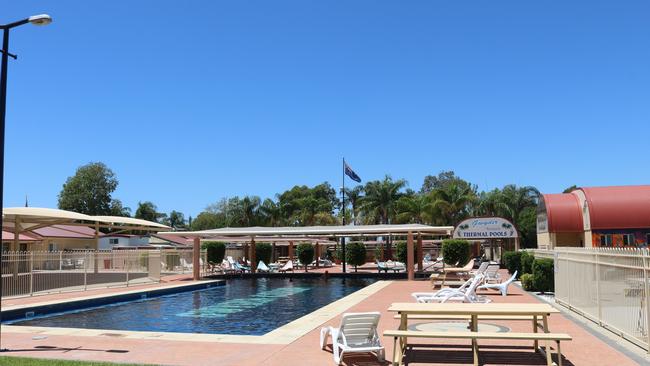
[443, 199]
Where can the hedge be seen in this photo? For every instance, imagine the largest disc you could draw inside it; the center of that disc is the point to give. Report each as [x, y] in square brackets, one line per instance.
[355, 254]
[527, 281]
[512, 261]
[456, 252]
[216, 251]
[305, 253]
[527, 262]
[401, 253]
[263, 252]
[543, 275]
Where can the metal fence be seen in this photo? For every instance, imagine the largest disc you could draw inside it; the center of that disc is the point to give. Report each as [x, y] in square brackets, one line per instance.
[36, 273]
[607, 285]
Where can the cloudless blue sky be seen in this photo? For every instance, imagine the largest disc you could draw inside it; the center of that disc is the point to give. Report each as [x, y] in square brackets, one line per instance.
[192, 101]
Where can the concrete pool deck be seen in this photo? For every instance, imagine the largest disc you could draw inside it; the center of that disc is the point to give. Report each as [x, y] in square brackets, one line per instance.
[302, 348]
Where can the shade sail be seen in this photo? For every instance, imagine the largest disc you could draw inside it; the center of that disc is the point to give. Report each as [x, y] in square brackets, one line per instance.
[348, 230]
[33, 217]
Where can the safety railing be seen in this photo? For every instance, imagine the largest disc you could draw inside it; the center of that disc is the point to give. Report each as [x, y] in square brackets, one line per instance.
[610, 286]
[35, 273]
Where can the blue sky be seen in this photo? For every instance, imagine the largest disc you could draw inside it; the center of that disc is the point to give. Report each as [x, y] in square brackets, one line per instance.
[192, 101]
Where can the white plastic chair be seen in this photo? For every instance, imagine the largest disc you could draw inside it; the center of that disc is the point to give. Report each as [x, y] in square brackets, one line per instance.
[502, 287]
[492, 274]
[287, 267]
[481, 269]
[356, 334]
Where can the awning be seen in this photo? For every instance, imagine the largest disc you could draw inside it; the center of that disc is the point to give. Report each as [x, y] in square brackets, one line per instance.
[323, 231]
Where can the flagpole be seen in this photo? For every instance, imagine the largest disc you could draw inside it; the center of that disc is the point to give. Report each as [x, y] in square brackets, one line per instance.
[343, 204]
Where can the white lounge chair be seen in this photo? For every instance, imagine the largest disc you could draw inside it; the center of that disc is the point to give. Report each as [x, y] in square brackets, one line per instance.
[462, 288]
[481, 269]
[502, 287]
[356, 334]
[287, 267]
[262, 267]
[449, 294]
[492, 274]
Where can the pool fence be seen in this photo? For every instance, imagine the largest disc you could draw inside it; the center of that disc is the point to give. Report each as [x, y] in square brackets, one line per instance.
[610, 286]
[36, 273]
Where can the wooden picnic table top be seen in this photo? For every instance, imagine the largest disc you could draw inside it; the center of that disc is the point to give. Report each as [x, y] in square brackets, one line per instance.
[472, 309]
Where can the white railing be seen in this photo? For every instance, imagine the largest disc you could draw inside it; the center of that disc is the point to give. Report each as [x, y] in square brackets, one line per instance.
[607, 285]
[37, 273]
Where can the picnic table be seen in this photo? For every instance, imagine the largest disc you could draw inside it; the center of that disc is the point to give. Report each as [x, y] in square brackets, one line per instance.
[474, 312]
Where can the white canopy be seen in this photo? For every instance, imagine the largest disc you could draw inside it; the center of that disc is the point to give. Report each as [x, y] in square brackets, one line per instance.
[347, 230]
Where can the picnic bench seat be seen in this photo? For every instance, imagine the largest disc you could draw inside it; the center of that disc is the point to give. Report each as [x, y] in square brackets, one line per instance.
[465, 317]
[399, 335]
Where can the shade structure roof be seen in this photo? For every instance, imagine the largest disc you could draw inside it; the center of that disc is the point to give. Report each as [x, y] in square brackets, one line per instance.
[38, 217]
[618, 207]
[322, 231]
[563, 213]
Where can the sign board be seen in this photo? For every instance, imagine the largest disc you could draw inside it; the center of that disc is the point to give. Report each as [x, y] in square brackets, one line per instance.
[485, 228]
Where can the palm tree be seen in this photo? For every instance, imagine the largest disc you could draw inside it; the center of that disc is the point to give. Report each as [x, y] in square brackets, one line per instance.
[249, 209]
[514, 200]
[451, 204]
[412, 208]
[271, 213]
[380, 201]
[354, 197]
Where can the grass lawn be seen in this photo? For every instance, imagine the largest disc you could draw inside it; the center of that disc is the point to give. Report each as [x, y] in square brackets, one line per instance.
[21, 361]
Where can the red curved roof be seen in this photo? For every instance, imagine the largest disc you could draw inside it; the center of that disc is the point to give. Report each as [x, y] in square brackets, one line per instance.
[621, 207]
[563, 213]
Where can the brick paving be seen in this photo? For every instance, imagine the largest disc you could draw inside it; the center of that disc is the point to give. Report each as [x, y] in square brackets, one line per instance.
[584, 350]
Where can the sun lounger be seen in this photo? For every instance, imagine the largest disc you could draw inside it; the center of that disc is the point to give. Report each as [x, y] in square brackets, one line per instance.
[502, 287]
[462, 295]
[287, 267]
[262, 267]
[357, 333]
[492, 274]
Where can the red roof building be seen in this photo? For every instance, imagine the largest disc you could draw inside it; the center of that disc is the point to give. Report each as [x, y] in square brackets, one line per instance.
[616, 216]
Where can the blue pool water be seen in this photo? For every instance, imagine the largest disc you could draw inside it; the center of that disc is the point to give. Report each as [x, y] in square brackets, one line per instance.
[242, 306]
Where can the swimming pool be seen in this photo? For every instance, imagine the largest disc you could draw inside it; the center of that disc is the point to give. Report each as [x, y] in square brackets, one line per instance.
[241, 307]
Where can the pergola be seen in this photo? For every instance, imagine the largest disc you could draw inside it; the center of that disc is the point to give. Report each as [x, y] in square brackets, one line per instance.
[313, 233]
[22, 219]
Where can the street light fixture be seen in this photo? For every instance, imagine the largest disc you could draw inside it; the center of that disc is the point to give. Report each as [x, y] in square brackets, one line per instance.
[41, 19]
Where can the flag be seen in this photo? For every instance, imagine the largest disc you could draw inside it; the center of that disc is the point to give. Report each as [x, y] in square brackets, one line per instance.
[350, 173]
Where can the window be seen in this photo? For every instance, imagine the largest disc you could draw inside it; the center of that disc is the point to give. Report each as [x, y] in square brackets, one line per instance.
[113, 241]
[628, 240]
[606, 240]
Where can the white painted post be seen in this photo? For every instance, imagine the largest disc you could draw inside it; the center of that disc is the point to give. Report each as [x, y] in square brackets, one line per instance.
[126, 266]
[598, 300]
[646, 277]
[60, 260]
[31, 273]
[85, 271]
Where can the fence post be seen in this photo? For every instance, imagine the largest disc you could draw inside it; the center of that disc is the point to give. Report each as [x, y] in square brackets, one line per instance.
[85, 271]
[600, 307]
[126, 264]
[60, 260]
[646, 268]
[31, 273]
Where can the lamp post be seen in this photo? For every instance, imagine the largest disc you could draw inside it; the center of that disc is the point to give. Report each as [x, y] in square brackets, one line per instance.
[41, 19]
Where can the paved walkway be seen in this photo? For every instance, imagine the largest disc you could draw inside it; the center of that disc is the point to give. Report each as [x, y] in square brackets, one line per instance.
[584, 350]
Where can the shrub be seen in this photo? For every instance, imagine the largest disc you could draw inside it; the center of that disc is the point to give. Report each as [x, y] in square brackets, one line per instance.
[512, 261]
[401, 253]
[355, 254]
[216, 251]
[305, 253]
[263, 252]
[378, 253]
[527, 262]
[543, 276]
[527, 281]
[456, 251]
